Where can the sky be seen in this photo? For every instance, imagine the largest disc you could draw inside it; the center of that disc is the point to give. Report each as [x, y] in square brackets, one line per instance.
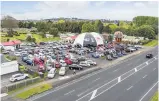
[113, 10]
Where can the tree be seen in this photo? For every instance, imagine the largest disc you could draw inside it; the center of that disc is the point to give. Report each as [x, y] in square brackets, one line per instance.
[88, 27]
[21, 24]
[42, 27]
[146, 31]
[29, 38]
[9, 23]
[107, 29]
[112, 27]
[98, 26]
[53, 31]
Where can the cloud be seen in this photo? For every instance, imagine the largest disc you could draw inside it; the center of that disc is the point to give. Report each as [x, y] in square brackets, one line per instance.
[93, 10]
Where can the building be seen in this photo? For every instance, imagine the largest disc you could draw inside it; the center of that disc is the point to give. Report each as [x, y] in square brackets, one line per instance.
[8, 66]
[11, 45]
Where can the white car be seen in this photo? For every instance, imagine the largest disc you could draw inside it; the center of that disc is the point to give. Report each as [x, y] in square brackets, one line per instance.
[63, 63]
[19, 76]
[49, 67]
[51, 73]
[91, 62]
[84, 64]
[62, 71]
[17, 53]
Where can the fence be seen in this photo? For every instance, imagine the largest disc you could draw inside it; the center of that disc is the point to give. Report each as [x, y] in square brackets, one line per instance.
[20, 84]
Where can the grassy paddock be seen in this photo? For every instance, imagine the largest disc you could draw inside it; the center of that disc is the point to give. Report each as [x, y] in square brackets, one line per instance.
[152, 43]
[36, 90]
[154, 97]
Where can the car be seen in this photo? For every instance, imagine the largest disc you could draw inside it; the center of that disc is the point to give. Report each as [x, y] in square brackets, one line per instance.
[30, 62]
[114, 56]
[81, 58]
[149, 56]
[76, 67]
[130, 49]
[19, 76]
[84, 64]
[68, 61]
[24, 58]
[119, 54]
[62, 71]
[51, 73]
[63, 63]
[41, 67]
[91, 62]
[17, 53]
[5, 52]
[74, 60]
[109, 57]
[95, 55]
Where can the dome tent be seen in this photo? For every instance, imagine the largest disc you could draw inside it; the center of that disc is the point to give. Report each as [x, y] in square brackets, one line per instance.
[89, 39]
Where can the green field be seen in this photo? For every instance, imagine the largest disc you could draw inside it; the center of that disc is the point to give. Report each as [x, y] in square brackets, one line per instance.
[36, 90]
[22, 37]
[155, 97]
[152, 43]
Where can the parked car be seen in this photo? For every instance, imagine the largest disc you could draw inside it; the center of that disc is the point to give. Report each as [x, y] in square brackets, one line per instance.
[95, 55]
[41, 67]
[17, 53]
[91, 62]
[114, 55]
[29, 62]
[81, 58]
[74, 60]
[49, 66]
[63, 63]
[62, 71]
[5, 52]
[130, 49]
[51, 73]
[24, 58]
[149, 56]
[119, 54]
[109, 57]
[19, 76]
[68, 61]
[84, 64]
[76, 67]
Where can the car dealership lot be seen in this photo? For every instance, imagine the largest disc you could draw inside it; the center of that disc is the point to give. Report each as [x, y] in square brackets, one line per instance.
[59, 51]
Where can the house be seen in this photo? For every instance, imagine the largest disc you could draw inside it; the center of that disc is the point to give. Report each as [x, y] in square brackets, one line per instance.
[8, 66]
[11, 45]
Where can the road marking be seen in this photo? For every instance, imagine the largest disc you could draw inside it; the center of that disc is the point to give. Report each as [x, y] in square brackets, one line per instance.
[69, 92]
[149, 91]
[93, 95]
[62, 78]
[145, 76]
[119, 79]
[154, 69]
[135, 69]
[146, 63]
[95, 80]
[129, 88]
[116, 70]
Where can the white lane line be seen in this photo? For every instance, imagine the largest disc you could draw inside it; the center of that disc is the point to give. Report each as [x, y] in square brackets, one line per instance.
[69, 92]
[129, 88]
[148, 91]
[145, 76]
[119, 79]
[146, 63]
[95, 80]
[154, 69]
[135, 69]
[93, 95]
[116, 70]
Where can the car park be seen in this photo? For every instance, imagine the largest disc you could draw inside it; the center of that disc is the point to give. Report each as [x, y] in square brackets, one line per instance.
[18, 77]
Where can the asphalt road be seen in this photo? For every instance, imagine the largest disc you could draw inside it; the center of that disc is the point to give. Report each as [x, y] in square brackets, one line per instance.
[132, 80]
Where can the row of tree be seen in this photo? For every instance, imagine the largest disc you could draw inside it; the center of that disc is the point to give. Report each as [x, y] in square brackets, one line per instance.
[146, 26]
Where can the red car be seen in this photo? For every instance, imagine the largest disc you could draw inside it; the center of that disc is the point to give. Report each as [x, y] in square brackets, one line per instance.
[41, 67]
[68, 61]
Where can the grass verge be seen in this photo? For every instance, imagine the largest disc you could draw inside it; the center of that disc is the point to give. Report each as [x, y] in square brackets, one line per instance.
[154, 97]
[36, 90]
[152, 43]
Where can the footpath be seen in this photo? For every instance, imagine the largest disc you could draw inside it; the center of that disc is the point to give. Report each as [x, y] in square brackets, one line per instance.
[71, 78]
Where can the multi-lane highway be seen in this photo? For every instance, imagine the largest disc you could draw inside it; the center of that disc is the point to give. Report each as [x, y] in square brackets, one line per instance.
[135, 79]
